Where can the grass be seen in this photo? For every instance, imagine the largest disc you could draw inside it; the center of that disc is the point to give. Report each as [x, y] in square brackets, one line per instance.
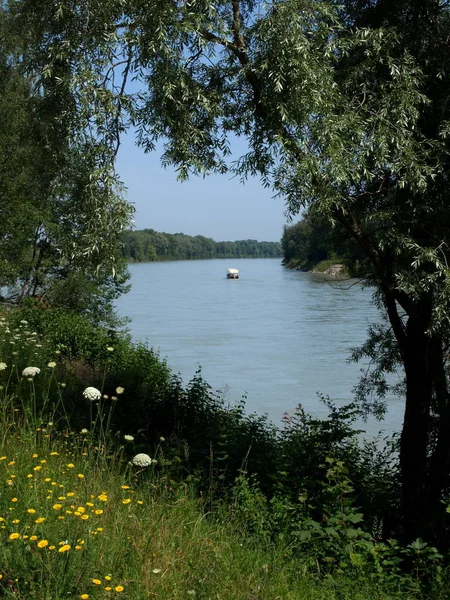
[77, 520]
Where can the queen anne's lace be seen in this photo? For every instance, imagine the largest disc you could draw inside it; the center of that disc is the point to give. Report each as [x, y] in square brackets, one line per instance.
[92, 393]
[31, 371]
[141, 460]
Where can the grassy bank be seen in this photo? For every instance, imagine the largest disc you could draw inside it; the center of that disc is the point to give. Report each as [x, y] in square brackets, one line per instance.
[219, 504]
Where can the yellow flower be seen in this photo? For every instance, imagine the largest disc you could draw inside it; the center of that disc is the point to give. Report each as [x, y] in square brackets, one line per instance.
[99, 511]
[51, 547]
[65, 548]
[108, 577]
[99, 528]
[33, 538]
[125, 487]
[34, 455]
[108, 588]
[15, 521]
[84, 596]
[14, 536]
[89, 504]
[140, 502]
[42, 544]
[85, 517]
[3, 457]
[57, 506]
[31, 511]
[126, 501]
[54, 454]
[81, 509]
[119, 588]
[47, 479]
[13, 499]
[37, 468]
[103, 497]
[97, 581]
[40, 520]
[80, 476]
[11, 463]
[77, 547]
[30, 475]
[70, 466]
[70, 494]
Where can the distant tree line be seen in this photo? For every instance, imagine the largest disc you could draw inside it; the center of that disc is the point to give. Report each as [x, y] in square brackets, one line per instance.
[150, 245]
[313, 239]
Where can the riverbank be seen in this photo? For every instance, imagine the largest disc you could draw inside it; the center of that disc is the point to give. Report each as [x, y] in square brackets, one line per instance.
[117, 480]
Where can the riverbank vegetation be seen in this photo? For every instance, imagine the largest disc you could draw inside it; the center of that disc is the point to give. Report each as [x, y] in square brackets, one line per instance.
[149, 245]
[119, 480]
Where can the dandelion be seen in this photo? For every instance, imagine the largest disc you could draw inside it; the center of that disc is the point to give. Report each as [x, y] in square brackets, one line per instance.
[33, 538]
[51, 547]
[70, 466]
[98, 511]
[31, 511]
[120, 390]
[92, 394]
[14, 500]
[64, 548]
[40, 520]
[103, 497]
[54, 454]
[31, 371]
[14, 536]
[80, 476]
[57, 506]
[128, 438]
[141, 460]
[119, 588]
[84, 596]
[126, 501]
[96, 582]
[3, 366]
[51, 364]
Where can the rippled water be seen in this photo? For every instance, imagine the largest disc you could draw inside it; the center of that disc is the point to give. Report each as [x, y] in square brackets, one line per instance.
[278, 336]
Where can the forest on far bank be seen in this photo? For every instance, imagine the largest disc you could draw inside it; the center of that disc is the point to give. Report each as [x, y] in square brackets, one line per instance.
[149, 245]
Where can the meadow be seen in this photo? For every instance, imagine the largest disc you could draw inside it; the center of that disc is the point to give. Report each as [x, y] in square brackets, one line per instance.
[98, 503]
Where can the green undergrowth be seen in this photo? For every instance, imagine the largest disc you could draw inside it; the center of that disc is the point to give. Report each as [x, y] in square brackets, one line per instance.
[223, 504]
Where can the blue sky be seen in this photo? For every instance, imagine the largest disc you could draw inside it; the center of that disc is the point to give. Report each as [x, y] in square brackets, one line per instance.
[218, 206]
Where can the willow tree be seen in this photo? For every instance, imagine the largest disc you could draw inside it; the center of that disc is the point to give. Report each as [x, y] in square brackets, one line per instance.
[342, 111]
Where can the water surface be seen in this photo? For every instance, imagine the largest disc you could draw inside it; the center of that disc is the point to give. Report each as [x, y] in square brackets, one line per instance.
[278, 336]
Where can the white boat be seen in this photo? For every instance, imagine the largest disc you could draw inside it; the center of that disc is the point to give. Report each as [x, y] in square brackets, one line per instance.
[232, 274]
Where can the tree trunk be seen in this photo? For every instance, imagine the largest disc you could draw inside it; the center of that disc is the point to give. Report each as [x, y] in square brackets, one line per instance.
[416, 428]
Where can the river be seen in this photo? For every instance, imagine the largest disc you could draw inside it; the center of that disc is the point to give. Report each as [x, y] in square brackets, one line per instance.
[277, 336]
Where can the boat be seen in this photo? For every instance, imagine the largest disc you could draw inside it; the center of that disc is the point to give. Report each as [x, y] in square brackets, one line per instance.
[232, 274]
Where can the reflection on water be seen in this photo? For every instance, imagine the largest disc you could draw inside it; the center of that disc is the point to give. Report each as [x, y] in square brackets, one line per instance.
[278, 336]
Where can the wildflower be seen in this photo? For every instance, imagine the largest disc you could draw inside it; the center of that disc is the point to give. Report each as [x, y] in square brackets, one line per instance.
[119, 588]
[15, 521]
[3, 457]
[141, 460]
[40, 520]
[96, 581]
[77, 547]
[126, 501]
[51, 364]
[54, 454]
[84, 596]
[3, 366]
[98, 511]
[103, 497]
[84, 431]
[33, 538]
[92, 394]
[128, 438]
[84, 517]
[125, 487]
[110, 349]
[70, 466]
[13, 499]
[108, 577]
[51, 547]
[64, 548]
[37, 468]
[108, 588]
[14, 536]
[31, 371]
[70, 494]
[31, 511]
[80, 476]
[114, 398]
[156, 571]
[161, 439]
[120, 390]
[57, 506]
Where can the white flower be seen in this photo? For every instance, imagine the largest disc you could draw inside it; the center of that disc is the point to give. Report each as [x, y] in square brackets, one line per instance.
[128, 438]
[31, 371]
[110, 349]
[51, 364]
[92, 393]
[156, 571]
[120, 390]
[3, 366]
[84, 431]
[141, 460]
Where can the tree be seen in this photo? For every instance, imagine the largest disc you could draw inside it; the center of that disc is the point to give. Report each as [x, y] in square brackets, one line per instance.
[345, 109]
[60, 201]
